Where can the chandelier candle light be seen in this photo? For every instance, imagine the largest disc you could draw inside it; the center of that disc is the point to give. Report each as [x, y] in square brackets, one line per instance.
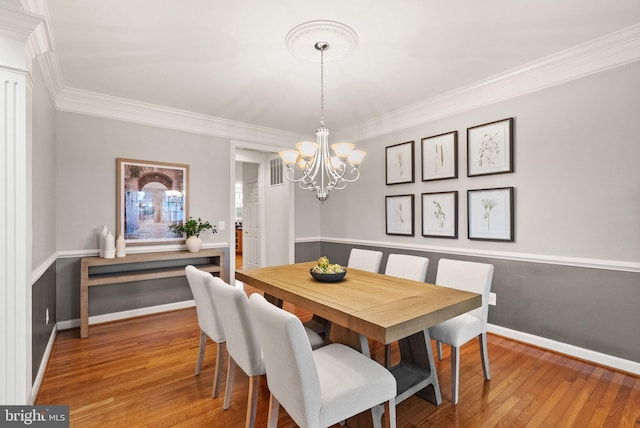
[322, 172]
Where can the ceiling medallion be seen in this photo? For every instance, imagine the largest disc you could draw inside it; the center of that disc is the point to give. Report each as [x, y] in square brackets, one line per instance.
[342, 39]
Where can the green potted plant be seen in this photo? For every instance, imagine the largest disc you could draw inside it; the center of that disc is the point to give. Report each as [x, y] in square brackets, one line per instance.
[192, 228]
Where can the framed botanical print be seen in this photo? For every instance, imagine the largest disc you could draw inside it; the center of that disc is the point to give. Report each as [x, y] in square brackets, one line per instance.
[440, 156]
[440, 215]
[490, 214]
[399, 163]
[490, 148]
[399, 216]
[151, 196]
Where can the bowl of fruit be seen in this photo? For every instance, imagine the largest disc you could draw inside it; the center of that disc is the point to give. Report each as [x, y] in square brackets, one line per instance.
[327, 272]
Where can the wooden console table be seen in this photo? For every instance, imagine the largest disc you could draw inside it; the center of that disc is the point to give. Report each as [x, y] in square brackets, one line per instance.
[148, 268]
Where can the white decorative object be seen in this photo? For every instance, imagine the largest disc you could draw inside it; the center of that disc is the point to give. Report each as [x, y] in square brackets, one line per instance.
[121, 247]
[193, 243]
[103, 234]
[109, 246]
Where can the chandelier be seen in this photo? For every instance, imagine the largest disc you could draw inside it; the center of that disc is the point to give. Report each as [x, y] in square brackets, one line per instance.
[322, 172]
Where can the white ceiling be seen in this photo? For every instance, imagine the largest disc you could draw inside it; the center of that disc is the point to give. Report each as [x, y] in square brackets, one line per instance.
[228, 59]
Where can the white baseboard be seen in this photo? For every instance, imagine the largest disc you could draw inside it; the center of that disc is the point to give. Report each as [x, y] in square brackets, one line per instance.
[115, 316]
[43, 367]
[571, 350]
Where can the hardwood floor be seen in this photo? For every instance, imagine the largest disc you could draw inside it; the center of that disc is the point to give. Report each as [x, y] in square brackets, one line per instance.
[140, 373]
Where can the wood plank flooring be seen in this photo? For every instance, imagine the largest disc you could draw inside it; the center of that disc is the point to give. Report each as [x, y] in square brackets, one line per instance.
[140, 373]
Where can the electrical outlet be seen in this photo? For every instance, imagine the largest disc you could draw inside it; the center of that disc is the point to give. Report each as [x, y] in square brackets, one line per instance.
[492, 299]
[221, 225]
[46, 316]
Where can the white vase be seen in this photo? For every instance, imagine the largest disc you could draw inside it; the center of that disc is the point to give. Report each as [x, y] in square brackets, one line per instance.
[193, 243]
[121, 247]
[102, 235]
[109, 246]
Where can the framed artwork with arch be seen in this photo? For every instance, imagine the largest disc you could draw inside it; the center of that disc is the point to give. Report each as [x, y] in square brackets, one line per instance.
[151, 196]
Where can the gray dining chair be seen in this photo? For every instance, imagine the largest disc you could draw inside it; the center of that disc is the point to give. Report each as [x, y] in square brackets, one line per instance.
[208, 321]
[407, 267]
[476, 278]
[243, 345]
[322, 387]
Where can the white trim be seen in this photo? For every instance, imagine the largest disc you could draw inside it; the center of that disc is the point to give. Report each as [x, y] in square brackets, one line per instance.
[15, 219]
[610, 51]
[571, 350]
[100, 105]
[37, 273]
[132, 313]
[17, 24]
[43, 366]
[68, 254]
[617, 265]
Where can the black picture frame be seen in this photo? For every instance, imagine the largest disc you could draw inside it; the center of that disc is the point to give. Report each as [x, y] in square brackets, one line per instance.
[490, 148]
[399, 163]
[490, 214]
[440, 156]
[399, 215]
[440, 215]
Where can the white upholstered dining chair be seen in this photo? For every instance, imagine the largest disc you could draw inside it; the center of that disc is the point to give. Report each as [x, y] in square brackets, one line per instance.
[208, 320]
[476, 278]
[321, 387]
[368, 260]
[243, 345]
[407, 267]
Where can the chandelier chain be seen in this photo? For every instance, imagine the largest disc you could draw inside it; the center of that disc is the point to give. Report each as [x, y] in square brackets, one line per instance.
[322, 85]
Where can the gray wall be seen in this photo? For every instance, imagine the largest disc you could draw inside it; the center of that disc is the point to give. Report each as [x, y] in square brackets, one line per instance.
[43, 172]
[576, 175]
[87, 148]
[43, 218]
[577, 187]
[43, 297]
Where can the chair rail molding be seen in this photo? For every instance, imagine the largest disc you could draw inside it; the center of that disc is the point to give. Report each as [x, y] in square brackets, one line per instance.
[617, 265]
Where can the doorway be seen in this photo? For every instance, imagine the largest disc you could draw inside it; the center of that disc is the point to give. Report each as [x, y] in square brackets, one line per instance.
[264, 232]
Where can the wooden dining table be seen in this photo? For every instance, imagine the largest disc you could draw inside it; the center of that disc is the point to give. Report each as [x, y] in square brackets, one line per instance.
[366, 305]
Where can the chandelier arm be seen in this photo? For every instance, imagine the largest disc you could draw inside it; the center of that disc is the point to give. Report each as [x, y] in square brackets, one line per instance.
[290, 174]
[355, 172]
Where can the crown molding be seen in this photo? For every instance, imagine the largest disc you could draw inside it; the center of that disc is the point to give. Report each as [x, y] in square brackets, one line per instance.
[610, 51]
[17, 24]
[100, 105]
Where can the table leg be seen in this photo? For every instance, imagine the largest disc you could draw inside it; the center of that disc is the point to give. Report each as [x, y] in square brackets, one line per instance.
[350, 338]
[416, 373]
[273, 300]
